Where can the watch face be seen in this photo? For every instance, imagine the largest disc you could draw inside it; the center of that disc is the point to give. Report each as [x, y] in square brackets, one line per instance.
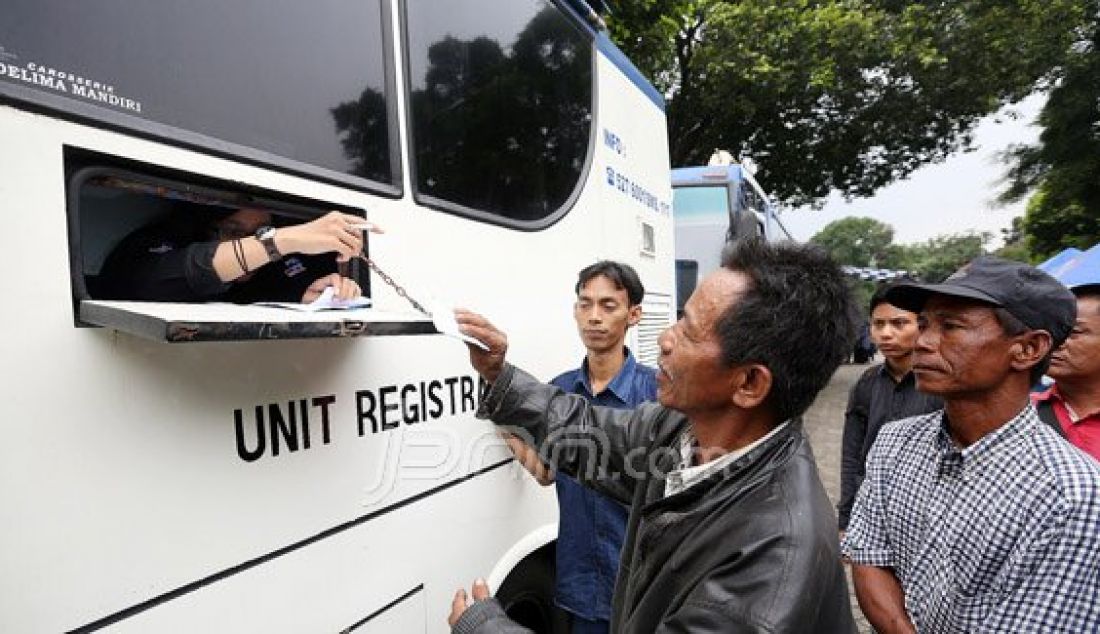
[265, 233]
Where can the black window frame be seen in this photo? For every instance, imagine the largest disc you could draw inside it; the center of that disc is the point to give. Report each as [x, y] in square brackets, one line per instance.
[432, 202]
[105, 118]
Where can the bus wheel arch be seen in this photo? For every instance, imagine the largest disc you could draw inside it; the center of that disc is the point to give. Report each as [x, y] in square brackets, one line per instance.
[527, 593]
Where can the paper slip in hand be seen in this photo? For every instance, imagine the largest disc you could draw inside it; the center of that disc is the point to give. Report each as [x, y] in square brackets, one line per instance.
[443, 317]
[326, 301]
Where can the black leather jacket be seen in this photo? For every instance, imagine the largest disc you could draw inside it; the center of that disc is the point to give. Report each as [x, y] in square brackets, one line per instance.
[751, 548]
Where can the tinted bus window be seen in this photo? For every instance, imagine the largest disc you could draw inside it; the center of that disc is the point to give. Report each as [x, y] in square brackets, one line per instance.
[501, 105]
[300, 80]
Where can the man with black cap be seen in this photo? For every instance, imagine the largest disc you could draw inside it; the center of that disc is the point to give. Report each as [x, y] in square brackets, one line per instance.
[979, 518]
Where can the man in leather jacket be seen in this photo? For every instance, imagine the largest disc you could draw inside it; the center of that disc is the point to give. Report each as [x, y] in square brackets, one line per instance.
[730, 529]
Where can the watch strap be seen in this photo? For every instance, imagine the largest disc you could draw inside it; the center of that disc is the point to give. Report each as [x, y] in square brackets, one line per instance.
[266, 236]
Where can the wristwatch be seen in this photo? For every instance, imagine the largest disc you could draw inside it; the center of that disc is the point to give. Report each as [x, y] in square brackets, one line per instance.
[266, 236]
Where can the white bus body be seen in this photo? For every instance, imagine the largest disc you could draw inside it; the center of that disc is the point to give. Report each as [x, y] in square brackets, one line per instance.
[268, 483]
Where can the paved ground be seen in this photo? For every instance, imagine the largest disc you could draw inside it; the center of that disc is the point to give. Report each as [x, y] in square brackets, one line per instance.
[824, 423]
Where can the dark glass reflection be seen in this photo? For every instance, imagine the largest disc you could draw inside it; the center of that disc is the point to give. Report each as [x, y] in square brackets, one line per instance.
[364, 134]
[501, 105]
[301, 80]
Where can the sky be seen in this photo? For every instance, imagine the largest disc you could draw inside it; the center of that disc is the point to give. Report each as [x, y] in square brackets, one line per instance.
[949, 197]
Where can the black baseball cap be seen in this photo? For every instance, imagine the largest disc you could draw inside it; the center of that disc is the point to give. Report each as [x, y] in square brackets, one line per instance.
[1038, 300]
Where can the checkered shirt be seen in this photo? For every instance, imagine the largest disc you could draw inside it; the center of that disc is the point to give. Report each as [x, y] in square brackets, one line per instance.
[1003, 536]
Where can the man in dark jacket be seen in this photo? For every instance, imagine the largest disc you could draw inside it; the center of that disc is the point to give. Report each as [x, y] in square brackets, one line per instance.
[884, 393]
[730, 529]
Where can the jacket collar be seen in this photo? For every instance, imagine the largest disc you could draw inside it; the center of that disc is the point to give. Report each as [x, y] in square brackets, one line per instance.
[761, 459]
[908, 377]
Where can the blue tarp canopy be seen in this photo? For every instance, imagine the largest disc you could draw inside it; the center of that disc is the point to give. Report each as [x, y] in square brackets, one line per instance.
[1054, 264]
[1074, 268]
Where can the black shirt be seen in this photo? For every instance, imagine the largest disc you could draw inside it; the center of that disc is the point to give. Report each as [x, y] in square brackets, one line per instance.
[875, 400]
[173, 262]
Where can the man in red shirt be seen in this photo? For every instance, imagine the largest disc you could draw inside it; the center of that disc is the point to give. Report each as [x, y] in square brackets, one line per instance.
[1074, 399]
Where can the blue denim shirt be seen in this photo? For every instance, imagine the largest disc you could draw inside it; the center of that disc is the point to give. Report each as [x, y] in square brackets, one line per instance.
[591, 526]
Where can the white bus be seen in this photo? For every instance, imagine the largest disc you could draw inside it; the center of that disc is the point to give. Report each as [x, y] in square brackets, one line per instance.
[713, 205]
[222, 468]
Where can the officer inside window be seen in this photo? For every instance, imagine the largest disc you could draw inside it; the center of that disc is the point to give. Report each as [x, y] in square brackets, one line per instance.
[237, 257]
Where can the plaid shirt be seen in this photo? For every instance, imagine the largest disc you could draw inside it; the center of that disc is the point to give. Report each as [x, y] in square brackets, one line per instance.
[1003, 536]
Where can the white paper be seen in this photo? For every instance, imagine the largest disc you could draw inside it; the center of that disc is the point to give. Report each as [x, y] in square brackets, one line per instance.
[443, 317]
[326, 301]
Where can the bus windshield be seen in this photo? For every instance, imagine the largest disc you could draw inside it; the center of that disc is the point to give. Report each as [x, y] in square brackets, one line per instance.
[703, 203]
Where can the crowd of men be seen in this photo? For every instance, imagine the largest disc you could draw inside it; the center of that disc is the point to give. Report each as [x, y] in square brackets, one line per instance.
[689, 497]
[970, 498]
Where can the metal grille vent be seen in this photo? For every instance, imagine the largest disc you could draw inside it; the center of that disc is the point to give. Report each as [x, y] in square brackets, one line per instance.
[656, 316]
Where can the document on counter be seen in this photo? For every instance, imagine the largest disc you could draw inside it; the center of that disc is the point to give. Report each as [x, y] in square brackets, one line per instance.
[326, 301]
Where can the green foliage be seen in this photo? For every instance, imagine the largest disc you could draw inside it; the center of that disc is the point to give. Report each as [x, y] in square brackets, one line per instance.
[1018, 252]
[862, 290]
[869, 242]
[859, 242]
[1056, 220]
[1062, 172]
[934, 260]
[1015, 243]
[847, 94]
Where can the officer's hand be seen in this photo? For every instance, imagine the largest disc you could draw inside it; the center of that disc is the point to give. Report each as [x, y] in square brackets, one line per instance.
[334, 232]
[346, 288]
[487, 363]
[459, 605]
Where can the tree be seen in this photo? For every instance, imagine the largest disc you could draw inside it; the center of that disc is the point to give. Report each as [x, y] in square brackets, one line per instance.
[364, 135]
[868, 242]
[838, 95]
[859, 242]
[1062, 171]
[1015, 242]
[934, 260]
[499, 129]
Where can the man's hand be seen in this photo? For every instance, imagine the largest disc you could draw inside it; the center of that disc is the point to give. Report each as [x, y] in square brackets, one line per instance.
[487, 363]
[345, 288]
[529, 459]
[460, 604]
[334, 232]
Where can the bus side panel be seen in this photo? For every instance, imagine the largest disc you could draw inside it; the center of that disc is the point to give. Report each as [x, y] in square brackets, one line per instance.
[630, 184]
[137, 490]
[133, 470]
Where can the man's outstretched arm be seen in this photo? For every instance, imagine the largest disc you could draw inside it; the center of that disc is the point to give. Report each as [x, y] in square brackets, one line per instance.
[602, 448]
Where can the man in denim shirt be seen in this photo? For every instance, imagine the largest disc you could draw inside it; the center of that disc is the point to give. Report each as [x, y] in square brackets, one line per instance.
[591, 526]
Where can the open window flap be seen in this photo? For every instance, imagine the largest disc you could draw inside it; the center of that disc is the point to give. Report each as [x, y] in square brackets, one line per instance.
[177, 323]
